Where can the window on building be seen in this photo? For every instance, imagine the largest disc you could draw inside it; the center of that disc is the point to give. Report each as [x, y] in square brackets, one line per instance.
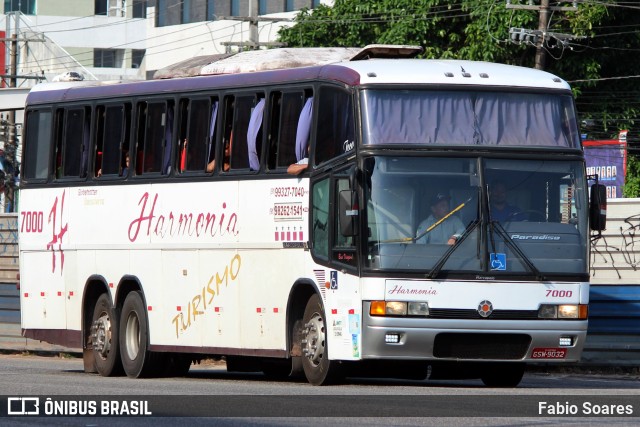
[216, 8]
[28, 7]
[139, 9]
[107, 58]
[137, 56]
[110, 7]
[235, 7]
[291, 5]
[194, 11]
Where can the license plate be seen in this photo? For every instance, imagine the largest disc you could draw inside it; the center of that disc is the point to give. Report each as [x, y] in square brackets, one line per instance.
[549, 353]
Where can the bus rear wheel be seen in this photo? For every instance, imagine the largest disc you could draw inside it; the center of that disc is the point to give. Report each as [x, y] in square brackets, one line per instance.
[104, 338]
[137, 360]
[318, 369]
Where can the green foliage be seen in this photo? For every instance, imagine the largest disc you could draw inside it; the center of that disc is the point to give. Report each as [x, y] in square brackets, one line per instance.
[605, 46]
[632, 183]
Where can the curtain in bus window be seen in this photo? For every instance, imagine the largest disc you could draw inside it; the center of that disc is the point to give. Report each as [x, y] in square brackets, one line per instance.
[168, 138]
[304, 127]
[517, 119]
[463, 118]
[416, 117]
[212, 130]
[84, 164]
[252, 133]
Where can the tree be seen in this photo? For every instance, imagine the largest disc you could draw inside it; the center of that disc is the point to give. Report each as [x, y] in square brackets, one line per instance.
[599, 62]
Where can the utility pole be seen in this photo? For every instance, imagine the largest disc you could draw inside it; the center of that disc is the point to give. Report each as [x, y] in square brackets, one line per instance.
[254, 37]
[543, 23]
[540, 36]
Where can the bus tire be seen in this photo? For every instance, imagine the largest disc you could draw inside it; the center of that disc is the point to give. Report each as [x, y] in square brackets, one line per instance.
[137, 360]
[503, 375]
[318, 369]
[104, 338]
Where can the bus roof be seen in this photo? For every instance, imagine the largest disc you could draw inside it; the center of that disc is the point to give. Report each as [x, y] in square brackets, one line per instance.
[355, 72]
[452, 71]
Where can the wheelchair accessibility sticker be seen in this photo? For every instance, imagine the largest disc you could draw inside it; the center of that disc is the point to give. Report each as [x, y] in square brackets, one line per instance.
[498, 262]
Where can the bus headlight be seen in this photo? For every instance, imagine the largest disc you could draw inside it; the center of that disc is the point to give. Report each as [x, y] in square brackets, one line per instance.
[396, 308]
[547, 311]
[399, 308]
[563, 311]
[418, 309]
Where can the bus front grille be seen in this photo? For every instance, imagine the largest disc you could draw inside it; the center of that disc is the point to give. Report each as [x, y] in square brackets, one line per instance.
[448, 313]
[481, 346]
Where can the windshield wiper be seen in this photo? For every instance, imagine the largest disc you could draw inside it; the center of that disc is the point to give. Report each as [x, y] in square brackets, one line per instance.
[514, 247]
[445, 257]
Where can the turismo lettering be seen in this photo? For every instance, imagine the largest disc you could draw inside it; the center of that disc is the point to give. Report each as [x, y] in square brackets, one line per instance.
[197, 305]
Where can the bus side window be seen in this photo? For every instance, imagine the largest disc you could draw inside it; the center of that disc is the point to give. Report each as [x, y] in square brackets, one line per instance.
[241, 117]
[140, 131]
[335, 127]
[227, 137]
[72, 142]
[36, 144]
[111, 140]
[320, 219]
[194, 135]
[155, 129]
[285, 118]
[254, 135]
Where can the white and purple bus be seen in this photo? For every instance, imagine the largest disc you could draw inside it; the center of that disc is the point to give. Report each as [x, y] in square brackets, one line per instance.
[158, 223]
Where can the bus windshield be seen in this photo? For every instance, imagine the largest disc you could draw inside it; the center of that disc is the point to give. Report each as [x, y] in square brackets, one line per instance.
[475, 215]
[469, 118]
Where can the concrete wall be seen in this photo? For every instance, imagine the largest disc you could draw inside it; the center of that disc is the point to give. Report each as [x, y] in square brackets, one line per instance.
[615, 258]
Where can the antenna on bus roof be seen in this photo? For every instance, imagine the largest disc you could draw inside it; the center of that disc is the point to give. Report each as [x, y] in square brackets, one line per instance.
[387, 51]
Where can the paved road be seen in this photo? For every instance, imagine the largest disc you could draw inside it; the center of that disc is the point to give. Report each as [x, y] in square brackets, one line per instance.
[210, 391]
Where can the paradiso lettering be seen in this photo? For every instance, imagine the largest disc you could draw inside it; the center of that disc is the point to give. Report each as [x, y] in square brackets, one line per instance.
[197, 305]
[200, 224]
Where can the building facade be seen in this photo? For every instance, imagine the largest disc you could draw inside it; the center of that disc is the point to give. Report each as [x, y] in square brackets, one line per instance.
[130, 39]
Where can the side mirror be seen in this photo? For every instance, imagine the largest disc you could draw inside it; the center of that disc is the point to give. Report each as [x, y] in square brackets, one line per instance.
[598, 207]
[348, 212]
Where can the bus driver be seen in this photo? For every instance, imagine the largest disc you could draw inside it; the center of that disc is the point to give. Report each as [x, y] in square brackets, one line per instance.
[438, 229]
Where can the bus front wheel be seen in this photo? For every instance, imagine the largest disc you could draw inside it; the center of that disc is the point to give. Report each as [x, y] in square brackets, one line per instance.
[104, 338]
[503, 375]
[317, 367]
[137, 360]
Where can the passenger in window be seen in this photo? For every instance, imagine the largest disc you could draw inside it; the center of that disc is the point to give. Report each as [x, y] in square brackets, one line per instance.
[441, 227]
[501, 210]
[125, 170]
[227, 157]
[301, 165]
[298, 167]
